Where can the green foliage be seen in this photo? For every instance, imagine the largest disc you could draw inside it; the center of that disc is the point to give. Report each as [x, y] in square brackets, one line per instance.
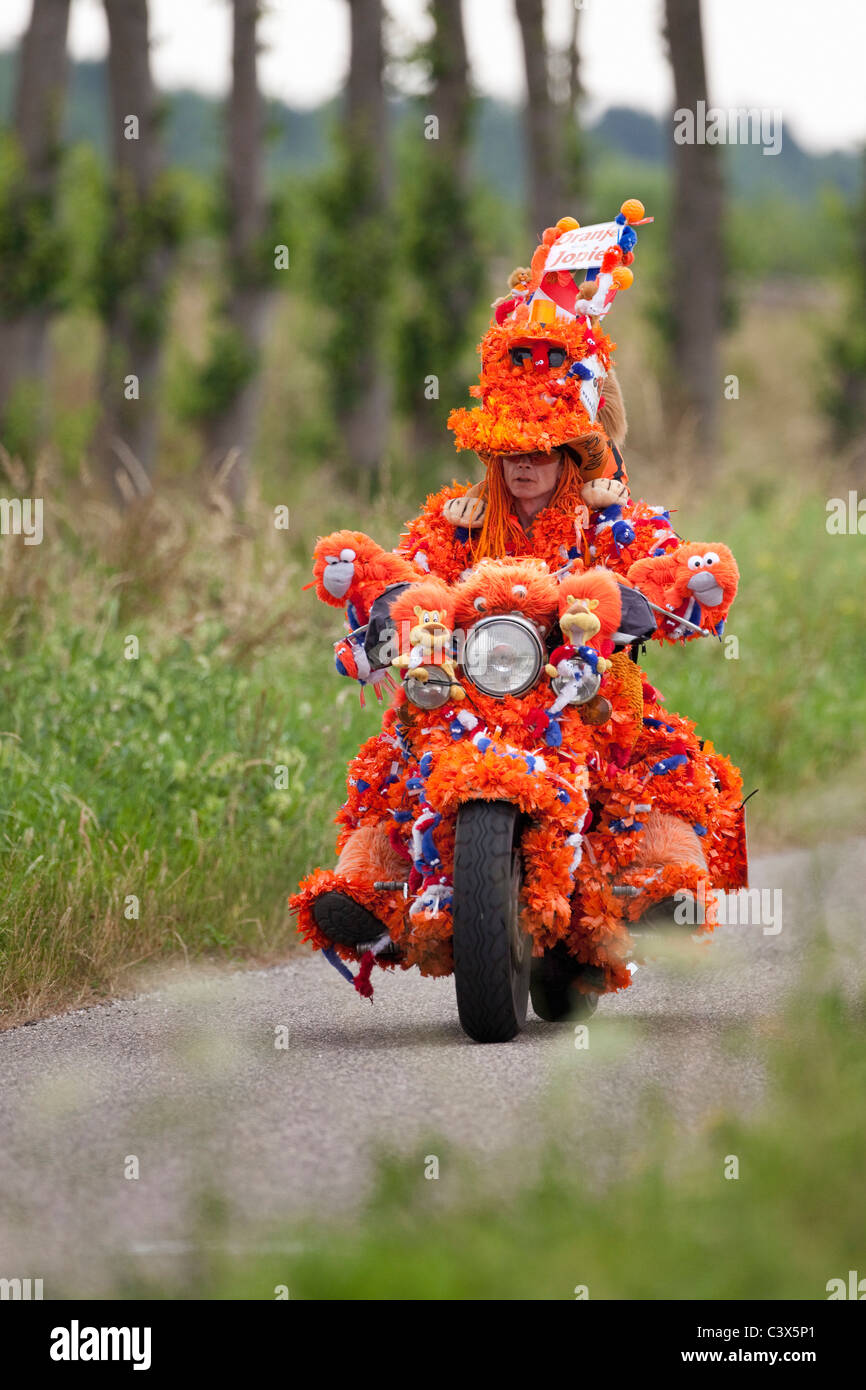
[33, 253]
[205, 390]
[83, 195]
[352, 269]
[844, 396]
[22, 418]
[256, 269]
[789, 708]
[72, 431]
[772, 236]
[441, 273]
[230, 364]
[136, 233]
[153, 777]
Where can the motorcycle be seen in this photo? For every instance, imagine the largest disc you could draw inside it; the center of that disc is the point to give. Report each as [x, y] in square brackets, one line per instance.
[515, 771]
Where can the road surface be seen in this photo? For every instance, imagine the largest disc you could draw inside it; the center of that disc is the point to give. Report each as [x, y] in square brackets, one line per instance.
[186, 1087]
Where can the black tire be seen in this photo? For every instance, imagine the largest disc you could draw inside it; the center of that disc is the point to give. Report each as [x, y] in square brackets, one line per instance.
[553, 987]
[491, 954]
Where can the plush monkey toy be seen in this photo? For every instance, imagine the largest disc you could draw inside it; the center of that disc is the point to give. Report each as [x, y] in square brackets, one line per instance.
[697, 581]
[350, 568]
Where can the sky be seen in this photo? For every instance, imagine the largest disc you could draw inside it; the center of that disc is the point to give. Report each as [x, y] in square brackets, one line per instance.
[801, 59]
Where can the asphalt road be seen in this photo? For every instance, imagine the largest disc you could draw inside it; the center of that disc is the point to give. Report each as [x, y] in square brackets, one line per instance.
[188, 1082]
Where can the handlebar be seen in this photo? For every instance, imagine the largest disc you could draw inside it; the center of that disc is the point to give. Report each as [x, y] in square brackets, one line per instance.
[681, 622]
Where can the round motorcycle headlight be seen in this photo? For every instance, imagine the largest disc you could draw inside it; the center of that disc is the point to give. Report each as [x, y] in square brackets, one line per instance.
[503, 656]
[584, 683]
[430, 694]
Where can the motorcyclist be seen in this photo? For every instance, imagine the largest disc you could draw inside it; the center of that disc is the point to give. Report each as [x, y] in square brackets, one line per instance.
[549, 431]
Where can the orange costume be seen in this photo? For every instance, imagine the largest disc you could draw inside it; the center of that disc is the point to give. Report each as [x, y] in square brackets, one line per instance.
[546, 384]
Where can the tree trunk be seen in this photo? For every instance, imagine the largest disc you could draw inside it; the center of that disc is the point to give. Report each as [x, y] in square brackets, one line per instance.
[845, 401]
[452, 101]
[545, 120]
[230, 434]
[444, 239]
[573, 152]
[39, 102]
[696, 235]
[126, 437]
[363, 418]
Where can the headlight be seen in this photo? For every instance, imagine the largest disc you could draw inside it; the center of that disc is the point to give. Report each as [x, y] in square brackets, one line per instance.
[585, 684]
[430, 694]
[503, 656]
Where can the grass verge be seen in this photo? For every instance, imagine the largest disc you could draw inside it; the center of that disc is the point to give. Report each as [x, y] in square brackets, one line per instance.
[143, 814]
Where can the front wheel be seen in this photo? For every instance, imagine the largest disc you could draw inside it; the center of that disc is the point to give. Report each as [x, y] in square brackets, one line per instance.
[492, 954]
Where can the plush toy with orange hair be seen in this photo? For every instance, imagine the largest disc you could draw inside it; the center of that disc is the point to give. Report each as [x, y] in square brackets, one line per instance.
[497, 587]
[423, 615]
[350, 568]
[590, 609]
[697, 581]
[351, 571]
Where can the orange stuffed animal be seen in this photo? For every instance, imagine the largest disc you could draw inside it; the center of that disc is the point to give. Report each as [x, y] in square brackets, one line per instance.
[423, 615]
[501, 586]
[697, 581]
[349, 567]
[590, 609]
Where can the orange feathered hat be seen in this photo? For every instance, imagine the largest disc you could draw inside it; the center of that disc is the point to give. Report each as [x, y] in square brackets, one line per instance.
[545, 360]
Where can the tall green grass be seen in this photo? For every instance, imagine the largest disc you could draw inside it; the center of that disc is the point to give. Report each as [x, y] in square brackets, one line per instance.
[155, 777]
[159, 805]
[783, 694]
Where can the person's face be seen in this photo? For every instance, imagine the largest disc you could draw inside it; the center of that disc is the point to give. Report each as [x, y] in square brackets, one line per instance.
[530, 477]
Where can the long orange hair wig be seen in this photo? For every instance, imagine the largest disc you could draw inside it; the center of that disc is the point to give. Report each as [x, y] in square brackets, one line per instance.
[500, 526]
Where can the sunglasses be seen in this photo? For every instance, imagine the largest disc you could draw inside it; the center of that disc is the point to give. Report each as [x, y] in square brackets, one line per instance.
[538, 459]
[519, 355]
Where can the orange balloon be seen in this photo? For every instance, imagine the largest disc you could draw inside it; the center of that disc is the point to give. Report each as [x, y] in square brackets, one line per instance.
[633, 210]
[622, 277]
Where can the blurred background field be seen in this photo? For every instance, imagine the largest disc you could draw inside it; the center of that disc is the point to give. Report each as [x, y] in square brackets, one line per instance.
[147, 786]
